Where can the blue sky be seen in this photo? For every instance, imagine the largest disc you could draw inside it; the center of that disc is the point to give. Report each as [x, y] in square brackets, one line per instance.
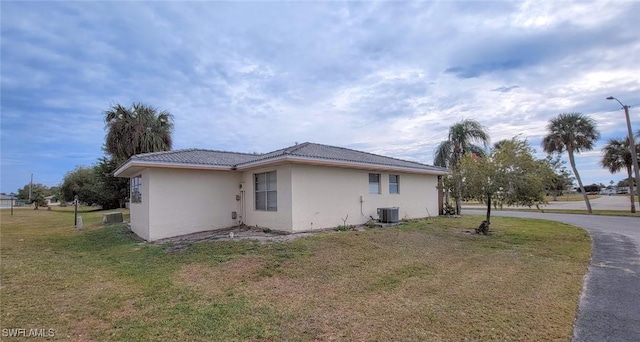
[383, 77]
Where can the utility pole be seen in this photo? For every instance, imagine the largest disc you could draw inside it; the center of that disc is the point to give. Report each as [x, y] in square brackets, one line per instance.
[632, 147]
[30, 187]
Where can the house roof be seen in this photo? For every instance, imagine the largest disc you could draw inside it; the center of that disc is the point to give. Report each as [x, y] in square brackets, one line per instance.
[196, 156]
[308, 153]
[7, 197]
[326, 152]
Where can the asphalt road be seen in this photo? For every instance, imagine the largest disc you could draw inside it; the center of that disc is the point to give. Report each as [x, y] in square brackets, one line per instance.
[609, 308]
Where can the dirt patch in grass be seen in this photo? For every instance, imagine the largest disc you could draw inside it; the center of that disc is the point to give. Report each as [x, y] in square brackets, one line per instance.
[85, 327]
[216, 280]
[463, 231]
[238, 234]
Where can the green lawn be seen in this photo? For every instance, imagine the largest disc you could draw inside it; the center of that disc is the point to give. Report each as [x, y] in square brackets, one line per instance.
[426, 280]
[563, 198]
[577, 211]
[571, 198]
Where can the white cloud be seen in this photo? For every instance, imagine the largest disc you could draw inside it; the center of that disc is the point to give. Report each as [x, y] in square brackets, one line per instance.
[260, 76]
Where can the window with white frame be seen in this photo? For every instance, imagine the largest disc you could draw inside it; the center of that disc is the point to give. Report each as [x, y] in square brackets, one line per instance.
[136, 189]
[394, 184]
[374, 183]
[266, 191]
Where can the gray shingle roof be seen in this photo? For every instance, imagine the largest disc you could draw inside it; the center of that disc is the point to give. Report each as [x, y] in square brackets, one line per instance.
[325, 152]
[196, 156]
[304, 150]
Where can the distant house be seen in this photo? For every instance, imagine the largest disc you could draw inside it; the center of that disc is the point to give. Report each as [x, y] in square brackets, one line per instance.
[51, 200]
[610, 190]
[7, 201]
[298, 188]
[622, 190]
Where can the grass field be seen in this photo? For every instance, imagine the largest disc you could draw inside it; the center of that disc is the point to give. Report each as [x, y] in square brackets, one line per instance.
[575, 211]
[563, 198]
[428, 280]
[571, 198]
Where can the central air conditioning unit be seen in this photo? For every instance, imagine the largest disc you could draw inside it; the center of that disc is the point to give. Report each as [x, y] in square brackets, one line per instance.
[388, 215]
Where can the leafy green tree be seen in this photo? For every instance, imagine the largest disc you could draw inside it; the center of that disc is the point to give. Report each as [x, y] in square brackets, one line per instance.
[38, 193]
[23, 193]
[112, 191]
[625, 182]
[591, 188]
[80, 182]
[462, 139]
[616, 155]
[137, 129]
[561, 178]
[37, 198]
[508, 175]
[574, 133]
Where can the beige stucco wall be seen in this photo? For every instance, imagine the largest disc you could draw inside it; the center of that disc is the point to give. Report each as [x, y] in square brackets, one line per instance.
[188, 201]
[280, 219]
[323, 196]
[180, 201]
[50, 202]
[140, 211]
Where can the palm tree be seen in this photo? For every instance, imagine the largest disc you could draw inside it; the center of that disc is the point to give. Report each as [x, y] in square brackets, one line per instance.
[617, 155]
[573, 132]
[138, 129]
[460, 141]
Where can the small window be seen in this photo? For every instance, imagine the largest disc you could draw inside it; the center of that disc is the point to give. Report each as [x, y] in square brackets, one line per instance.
[394, 184]
[266, 191]
[136, 189]
[374, 183]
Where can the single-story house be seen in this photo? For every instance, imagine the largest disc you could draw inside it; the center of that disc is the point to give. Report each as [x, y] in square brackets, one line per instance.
[299, 188]
[49, 200]
[7, 201]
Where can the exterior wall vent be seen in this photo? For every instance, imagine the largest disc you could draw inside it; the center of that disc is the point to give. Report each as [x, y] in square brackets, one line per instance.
[388, 215]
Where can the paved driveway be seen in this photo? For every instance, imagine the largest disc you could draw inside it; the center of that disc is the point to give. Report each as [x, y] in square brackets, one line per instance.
[609, 308]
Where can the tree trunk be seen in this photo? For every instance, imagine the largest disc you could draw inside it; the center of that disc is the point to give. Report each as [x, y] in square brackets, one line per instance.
[631, 196]
[572, 161]
[488, 209]
[457, 154]
[458, 200]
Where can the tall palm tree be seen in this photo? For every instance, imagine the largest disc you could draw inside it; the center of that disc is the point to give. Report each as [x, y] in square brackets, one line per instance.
[573, 132]
[617, 155]
[138, 129]
[461, 140]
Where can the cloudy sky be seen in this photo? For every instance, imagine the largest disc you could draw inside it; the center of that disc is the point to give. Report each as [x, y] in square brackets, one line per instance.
[383, 77]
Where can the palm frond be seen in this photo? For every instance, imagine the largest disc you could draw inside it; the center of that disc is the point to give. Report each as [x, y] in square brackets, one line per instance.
[135, 130]
[442, 155]
[574, 132]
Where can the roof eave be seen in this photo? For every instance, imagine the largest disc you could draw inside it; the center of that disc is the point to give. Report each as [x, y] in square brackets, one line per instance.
[336, 163]
[133, 167]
